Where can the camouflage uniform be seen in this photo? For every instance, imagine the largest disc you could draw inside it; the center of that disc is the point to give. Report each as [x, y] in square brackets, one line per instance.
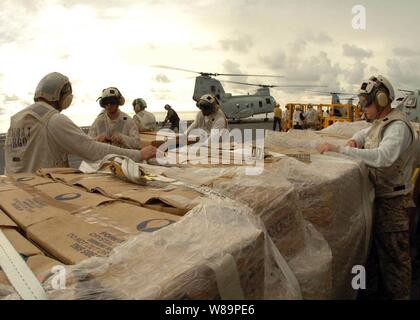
[390, 247]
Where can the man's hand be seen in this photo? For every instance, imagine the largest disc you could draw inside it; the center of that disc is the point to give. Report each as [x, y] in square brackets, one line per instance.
[102, 138]
[328, 147]
[148, 152]
[116, 139]
[352, 143]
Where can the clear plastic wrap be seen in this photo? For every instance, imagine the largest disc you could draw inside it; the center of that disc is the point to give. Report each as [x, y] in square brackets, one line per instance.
[218, 250]
[345, 129]
[336, 196]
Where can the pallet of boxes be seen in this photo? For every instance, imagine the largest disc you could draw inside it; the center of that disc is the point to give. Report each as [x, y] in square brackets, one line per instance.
[196, 231]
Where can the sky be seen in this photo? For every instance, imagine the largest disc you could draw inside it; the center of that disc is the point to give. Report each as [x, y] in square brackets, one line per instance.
[99, 44]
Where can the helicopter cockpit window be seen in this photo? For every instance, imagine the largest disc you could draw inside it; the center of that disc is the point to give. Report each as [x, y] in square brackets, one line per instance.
[267, 101]
[410, 102]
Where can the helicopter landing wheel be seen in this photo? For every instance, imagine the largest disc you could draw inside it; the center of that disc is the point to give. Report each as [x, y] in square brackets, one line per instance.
[265, 119]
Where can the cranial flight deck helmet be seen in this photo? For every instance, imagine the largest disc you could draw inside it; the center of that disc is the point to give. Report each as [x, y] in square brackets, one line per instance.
[55, 87]
[111, 95]
[377, 90]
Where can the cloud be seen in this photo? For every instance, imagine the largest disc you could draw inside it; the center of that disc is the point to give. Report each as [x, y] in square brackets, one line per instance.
[162, 78]
[356, 73]
[406, 52]
[403, 72]
[308, 37]
[354, 51]
[12, 98]
[162, 94]
[241, 44]
[204, 48]
[276, 60]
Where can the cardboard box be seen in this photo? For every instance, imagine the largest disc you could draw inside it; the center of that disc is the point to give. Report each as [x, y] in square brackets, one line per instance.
[174, 200]
[27, 209]
[71, 240]
[74, 199]
[158, 138]
[10, 230]
[7, 184]
[29, 179]
[40, 265]
[128, 218]
[107, 185]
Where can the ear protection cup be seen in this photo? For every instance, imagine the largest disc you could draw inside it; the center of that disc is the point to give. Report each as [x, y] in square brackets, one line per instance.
[66, 101]
[381, 99]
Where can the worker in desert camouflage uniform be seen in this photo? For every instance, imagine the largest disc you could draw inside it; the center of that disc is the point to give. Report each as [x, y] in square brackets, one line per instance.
[388, 148]
[112, 125]
[41, 137]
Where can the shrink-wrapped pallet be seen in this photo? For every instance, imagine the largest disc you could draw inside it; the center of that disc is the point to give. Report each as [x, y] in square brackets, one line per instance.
[336, 196]
[217, 251]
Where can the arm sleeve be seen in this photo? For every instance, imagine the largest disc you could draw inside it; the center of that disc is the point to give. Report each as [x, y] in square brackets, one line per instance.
[193, 125]
[132, 140]
[360, 136]
[137, 122]
[93, 132]
[397, 138]
[72, 139]
[219, 124]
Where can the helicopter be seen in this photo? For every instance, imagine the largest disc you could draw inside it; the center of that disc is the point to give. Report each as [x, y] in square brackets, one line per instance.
[410, 104]
[239, 106]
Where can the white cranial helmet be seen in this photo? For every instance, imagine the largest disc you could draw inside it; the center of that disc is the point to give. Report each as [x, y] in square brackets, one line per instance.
[53, 87]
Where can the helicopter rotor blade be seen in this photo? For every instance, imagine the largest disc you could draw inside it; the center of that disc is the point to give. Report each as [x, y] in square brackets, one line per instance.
[407, 91]
[273, 86]
[173, 68]
[331, 93]
[248, 75]
[215, 74]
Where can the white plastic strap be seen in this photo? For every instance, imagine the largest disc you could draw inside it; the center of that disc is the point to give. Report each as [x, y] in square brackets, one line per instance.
[18, 273]
[285, 269]
[227, 278]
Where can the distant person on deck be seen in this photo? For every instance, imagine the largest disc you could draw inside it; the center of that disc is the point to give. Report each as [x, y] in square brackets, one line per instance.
[144, 120]
[172, 117]
[277, 117]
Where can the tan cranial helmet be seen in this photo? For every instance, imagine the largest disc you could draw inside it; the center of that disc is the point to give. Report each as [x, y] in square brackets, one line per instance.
[376, 90]
[109, 93]
[55, 87]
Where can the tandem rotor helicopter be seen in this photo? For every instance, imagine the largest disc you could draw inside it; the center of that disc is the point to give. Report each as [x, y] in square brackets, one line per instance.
[410, 104]
[239, 106]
